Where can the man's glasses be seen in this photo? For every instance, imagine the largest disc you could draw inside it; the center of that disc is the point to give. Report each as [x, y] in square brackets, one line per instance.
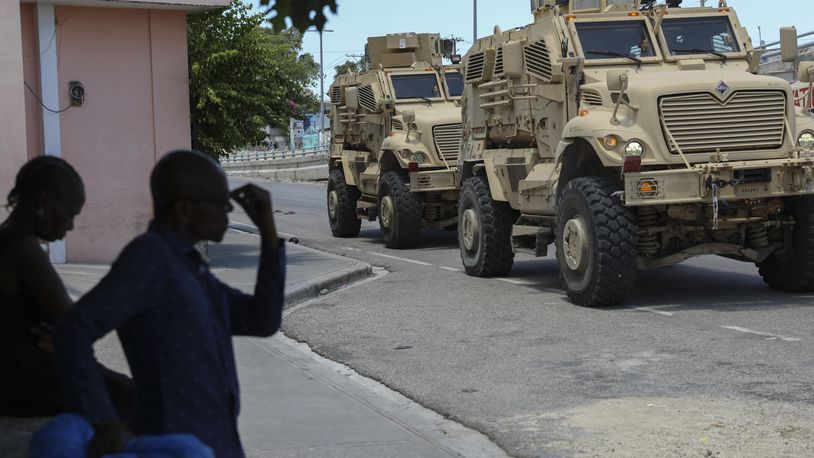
[224, 204]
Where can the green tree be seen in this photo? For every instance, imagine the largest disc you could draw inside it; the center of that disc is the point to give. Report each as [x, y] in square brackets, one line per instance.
[286, 48]
[355, 66]
[242, 78]
[303, 13]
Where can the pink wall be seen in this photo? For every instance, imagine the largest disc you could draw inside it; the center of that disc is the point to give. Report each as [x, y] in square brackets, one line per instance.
[133, 66]
[12, 124]
[31, 75]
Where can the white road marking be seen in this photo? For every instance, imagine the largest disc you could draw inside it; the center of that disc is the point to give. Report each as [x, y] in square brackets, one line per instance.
[652, 310]
[760, 333]
[400, 259]
[451, 269]
[515, 282]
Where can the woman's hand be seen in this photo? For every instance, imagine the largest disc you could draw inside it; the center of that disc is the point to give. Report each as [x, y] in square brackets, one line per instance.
[44, 332]
[109, 438]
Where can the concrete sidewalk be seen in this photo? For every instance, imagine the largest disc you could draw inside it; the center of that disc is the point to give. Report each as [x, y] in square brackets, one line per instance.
[296, 403]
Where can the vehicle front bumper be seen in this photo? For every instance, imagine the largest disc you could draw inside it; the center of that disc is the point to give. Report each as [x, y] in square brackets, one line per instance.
[740, 180]
[434, 180]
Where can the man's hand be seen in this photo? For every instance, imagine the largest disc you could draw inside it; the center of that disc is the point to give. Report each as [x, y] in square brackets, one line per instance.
[256, 202]
[108, 438]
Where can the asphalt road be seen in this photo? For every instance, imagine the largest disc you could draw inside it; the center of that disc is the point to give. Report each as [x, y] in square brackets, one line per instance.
[703, 359]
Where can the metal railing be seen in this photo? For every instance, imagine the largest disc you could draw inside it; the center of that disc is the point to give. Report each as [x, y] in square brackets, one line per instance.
[271, 155]
[774, 52]
[776, 43]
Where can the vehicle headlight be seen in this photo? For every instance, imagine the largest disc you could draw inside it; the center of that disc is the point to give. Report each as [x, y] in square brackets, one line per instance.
[806, 140]
[634, 148]
[419, 158]
[610, 142]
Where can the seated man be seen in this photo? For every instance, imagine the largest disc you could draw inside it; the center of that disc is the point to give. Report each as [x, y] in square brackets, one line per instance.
[175, 320]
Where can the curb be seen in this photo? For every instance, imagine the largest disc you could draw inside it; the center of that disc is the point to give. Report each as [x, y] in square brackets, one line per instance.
[330, 281]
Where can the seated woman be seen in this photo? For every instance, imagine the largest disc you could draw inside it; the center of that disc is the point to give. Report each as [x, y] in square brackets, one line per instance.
[47, 196]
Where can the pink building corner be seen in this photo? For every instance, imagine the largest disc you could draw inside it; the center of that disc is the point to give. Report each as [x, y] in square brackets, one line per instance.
[131, 59]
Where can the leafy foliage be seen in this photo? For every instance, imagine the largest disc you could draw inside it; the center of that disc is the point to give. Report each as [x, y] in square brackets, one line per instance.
[243, 78]
[350, 65]
[286, 51]
[303, 13]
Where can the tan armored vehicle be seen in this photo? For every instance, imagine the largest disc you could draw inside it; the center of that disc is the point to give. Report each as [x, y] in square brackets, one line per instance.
[802, 87]
[632, 139]
[396, 130]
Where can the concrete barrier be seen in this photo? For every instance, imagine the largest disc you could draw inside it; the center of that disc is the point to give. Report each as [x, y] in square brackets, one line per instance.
[306, 168]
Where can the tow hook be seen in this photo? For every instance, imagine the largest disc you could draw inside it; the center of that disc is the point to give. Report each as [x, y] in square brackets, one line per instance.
[714, 186]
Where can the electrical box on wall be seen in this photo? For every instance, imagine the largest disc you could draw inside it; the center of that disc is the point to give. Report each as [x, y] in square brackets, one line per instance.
[77, 93]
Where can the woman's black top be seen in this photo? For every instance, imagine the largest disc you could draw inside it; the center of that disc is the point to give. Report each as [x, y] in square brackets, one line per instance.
[30, 380]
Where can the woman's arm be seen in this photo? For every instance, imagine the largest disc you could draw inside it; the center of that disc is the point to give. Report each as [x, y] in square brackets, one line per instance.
[40, 278]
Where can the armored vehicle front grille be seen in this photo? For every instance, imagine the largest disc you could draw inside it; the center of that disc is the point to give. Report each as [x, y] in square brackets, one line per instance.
[538, 62]
[474, 68]
[591, 97]
[748, 120]
[499, 62]
[447, 140]
[336, 95]
[396, 125]
[366, 97]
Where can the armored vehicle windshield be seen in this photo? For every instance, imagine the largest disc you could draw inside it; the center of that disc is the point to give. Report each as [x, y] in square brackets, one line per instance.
[412, 86]
[455, 84]
[699, 35]
[614, 39]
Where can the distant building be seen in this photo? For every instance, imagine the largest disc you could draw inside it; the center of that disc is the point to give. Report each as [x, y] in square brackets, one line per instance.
[305, 133]
[130, 56]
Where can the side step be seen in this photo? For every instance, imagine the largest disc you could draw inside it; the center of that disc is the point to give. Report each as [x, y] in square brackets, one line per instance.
[533, 240]
[369, 210]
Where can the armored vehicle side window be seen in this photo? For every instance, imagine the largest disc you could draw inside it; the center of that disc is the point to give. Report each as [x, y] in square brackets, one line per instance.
[699, 36]
[586, 4]
[455, 83]
[416, 86]
[608, 40]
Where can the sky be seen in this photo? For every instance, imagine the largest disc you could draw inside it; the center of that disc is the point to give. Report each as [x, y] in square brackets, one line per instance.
[358, 19]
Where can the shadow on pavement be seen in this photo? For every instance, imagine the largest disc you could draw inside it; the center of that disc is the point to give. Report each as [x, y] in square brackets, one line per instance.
[680, 287]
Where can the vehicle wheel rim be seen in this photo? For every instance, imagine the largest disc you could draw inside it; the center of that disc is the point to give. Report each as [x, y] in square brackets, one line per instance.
[470, 228]
[575, 244]
[333, 204]
[386, 211]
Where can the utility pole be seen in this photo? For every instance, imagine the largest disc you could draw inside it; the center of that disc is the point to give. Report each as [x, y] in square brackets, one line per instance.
[456, 40]
[474, 21]
[321, 85]
[360, 58]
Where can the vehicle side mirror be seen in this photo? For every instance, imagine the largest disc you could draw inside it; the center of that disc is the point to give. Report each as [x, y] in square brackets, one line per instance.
[806, 72]
[616, 80]
[513, 59]
[352, 98]
[409, 116]
[788, 44]
[386, 105]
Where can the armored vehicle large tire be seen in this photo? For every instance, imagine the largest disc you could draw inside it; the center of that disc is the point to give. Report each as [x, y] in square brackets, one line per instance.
[399, 211]
[342, 206]
[596, 242]
[794, 270]
[484, 230]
